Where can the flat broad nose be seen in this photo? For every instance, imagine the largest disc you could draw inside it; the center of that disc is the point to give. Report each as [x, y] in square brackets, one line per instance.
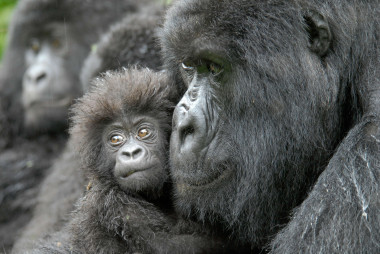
[132, 152]
[36, 75]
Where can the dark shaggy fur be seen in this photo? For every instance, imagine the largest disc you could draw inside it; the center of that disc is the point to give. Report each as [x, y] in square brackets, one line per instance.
[289, 92]
[82, 22]
[110, 219]
[59, 192]
[21, 170]
[131, 41]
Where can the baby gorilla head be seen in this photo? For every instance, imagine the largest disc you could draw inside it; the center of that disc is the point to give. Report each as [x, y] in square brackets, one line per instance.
[122, 127]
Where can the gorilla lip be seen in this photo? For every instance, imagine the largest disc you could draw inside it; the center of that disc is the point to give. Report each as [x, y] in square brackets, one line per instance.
[51, 102]
[132, 171]
[209, 180]
[208, 184]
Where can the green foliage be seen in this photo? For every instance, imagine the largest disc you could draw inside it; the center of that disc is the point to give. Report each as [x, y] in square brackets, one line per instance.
[6, 7]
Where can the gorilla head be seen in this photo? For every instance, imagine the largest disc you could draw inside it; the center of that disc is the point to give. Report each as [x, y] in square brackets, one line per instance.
[49, 40]
[50, 81]
[267, 98]
[129, 42]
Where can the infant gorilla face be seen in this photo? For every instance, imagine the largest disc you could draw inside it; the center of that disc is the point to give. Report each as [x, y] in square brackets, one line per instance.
[136, 147]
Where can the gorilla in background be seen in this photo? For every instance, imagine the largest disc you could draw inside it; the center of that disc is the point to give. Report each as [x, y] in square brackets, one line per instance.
[277, 133]
[121, 130]
[49, 40]
[130, 41]
[39, 77]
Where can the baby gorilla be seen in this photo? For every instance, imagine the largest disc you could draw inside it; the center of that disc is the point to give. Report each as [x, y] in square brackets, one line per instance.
[121, 128]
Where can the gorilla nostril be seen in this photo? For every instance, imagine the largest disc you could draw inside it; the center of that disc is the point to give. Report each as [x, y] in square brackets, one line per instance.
[186, 132]
[41, 77]
[185, 106]
[136, 153]
[133, 154]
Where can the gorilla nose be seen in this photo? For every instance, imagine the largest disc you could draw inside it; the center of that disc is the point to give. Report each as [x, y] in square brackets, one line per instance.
[36, 75]
[189, 126]
[190, 135]
[132, 152]
[186, 131]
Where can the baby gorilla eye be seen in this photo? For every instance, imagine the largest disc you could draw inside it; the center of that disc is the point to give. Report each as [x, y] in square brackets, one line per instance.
[143, 133]
[116, 140]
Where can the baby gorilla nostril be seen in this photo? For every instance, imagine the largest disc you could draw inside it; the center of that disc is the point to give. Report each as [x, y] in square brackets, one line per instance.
[136, 153]
[133, 154]
[132, 151]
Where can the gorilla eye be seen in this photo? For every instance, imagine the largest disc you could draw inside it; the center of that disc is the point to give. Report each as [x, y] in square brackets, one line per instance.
[143, 133]
[214, 68]
[116, 140]
[188, 66]
[56, 43]
[35, 45]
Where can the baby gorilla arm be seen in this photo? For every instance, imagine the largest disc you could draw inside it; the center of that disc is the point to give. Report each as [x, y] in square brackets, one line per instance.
[110, 221]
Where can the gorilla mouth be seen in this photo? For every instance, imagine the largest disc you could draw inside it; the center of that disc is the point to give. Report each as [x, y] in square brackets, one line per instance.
[52, 102]
[129, 172]
[222, 174]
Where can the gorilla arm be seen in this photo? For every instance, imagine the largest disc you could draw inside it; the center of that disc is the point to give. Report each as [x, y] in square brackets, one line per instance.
[343, 205]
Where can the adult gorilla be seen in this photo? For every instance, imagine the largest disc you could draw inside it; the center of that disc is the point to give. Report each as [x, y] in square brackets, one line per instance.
[49, 41]
[280, 111]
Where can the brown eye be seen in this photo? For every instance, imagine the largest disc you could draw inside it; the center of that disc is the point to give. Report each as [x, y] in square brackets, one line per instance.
[214, 68]
[143, 133]
[116, 139]
[35, 46]
[56, 43]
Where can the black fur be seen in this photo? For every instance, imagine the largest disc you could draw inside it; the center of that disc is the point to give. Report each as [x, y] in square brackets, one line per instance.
[54, 200]
[293, 121]
[131, 41]
[21, 169]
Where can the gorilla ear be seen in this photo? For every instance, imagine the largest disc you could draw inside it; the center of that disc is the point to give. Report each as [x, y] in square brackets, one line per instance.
[319, 32]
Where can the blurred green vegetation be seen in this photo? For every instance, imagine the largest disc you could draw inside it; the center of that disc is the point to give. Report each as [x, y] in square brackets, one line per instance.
[6, 7]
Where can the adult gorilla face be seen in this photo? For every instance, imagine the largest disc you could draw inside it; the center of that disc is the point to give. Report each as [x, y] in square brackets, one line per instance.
[48, 42]
[259, 117]
[197, 123]
[50, 82]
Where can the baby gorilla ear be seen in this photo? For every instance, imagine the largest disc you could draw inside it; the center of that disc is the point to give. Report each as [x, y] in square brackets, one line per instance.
[319, 32]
